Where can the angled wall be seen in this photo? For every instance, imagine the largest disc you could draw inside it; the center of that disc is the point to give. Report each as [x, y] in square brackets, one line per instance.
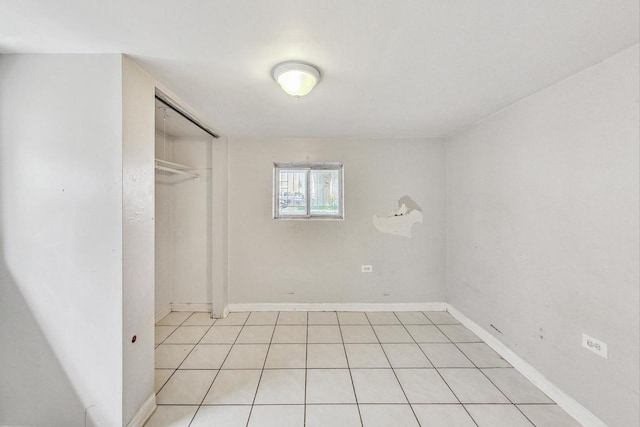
[543, 232]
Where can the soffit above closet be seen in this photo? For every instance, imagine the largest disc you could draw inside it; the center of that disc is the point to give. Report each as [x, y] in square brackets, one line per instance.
[410, 68]
[174, 124]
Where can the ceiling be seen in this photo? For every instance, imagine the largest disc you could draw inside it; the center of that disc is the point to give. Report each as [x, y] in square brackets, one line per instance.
[401, 68]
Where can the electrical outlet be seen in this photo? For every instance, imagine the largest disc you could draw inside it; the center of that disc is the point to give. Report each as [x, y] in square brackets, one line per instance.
[598, 347]
[366, 268]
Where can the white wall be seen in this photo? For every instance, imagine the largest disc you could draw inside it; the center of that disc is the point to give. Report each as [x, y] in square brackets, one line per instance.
[299, 261]
[191, 223]
[219, 226]
[138, 181]
[184, 210]
[543, 232]
[163, 229]
[61, 195]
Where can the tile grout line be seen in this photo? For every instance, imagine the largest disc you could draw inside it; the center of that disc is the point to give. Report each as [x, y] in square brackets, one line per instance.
[484, 374]
[353, 386]
[185, 358]
[306, 364]
[436, 368]
[391, 365]
[266, 356]
[219, 369]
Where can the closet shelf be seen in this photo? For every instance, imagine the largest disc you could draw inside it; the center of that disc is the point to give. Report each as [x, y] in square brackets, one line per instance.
[176, 168]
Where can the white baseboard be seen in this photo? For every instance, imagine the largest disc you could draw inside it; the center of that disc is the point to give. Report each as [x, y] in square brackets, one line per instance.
[403, 306]
[191, 307]
[566, 402]
[166, 310]
[144, 412]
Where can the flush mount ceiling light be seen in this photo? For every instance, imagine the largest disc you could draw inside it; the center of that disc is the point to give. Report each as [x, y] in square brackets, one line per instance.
[296, 78]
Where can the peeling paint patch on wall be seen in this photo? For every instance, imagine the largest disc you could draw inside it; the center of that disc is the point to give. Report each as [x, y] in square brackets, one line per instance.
[400, 221]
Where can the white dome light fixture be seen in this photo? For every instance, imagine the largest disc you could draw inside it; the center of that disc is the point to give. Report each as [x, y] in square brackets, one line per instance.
[296, 78]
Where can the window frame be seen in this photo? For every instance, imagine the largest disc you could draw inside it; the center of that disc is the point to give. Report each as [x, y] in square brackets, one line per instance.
[307, 167]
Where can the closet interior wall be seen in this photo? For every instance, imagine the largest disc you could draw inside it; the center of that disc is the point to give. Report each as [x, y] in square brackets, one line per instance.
[183, 224]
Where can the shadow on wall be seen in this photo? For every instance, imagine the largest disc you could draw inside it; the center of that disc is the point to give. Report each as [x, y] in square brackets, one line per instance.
[34, 389]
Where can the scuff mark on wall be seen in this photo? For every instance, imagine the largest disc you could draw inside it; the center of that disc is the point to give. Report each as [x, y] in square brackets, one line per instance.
[400, 222]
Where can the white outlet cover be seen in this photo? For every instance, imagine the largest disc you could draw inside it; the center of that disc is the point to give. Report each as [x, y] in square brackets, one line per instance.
[366, 268]
[594, 345]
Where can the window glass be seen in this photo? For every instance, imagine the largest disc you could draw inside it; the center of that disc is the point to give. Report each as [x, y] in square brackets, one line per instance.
[308, 191]
[325, 192]
[292, 192]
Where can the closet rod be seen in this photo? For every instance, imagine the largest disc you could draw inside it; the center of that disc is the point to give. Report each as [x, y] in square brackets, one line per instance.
[167, 101]
[178, 171]
[173, 165]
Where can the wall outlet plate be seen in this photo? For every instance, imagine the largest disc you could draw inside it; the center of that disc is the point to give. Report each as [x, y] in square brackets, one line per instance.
[592, 344]
[366, 268]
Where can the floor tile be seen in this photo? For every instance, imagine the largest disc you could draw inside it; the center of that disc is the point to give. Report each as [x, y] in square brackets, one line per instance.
[171, 356]
[412, 318]
[290, 334]
[443, 416]
[326, 356]
[426, 333]
[352, 318]
[515, 386]
[441, 318]
[471, 386]
[332, 416]
[395, 382]
[221, 335]
[358, 334]
[377, 386]
[497, 416]
[262, 318]
[161, 376]
[227, 416]
[234, 387]
[329, 386]
[200, 319]
[233, 319]
[392, 334]
[406, 356]
[187, 335]
[277, 416]
[387, 415]
[382, 318]
[548, 416]
[324, 334]
[483, 356]
[424, 386]
[174, 318]
[292, 318]
[206, 356]
[246, 356]
[186, 387]
[281, 386]
[172, 416]
[444, 355]
[459, 333]
[366, 356]
[282, 356]
[255, 335]
[322, 318]
[162, 332]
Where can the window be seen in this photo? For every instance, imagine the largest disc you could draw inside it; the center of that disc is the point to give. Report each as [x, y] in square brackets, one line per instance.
[308, 190]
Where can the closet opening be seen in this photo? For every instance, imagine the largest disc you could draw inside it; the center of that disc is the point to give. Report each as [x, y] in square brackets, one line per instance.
[183, 211]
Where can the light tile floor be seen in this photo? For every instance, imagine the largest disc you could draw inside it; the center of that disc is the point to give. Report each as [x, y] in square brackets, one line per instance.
[338, 369]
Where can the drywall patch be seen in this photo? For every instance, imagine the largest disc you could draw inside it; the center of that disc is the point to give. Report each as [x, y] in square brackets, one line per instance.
[401, 220]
